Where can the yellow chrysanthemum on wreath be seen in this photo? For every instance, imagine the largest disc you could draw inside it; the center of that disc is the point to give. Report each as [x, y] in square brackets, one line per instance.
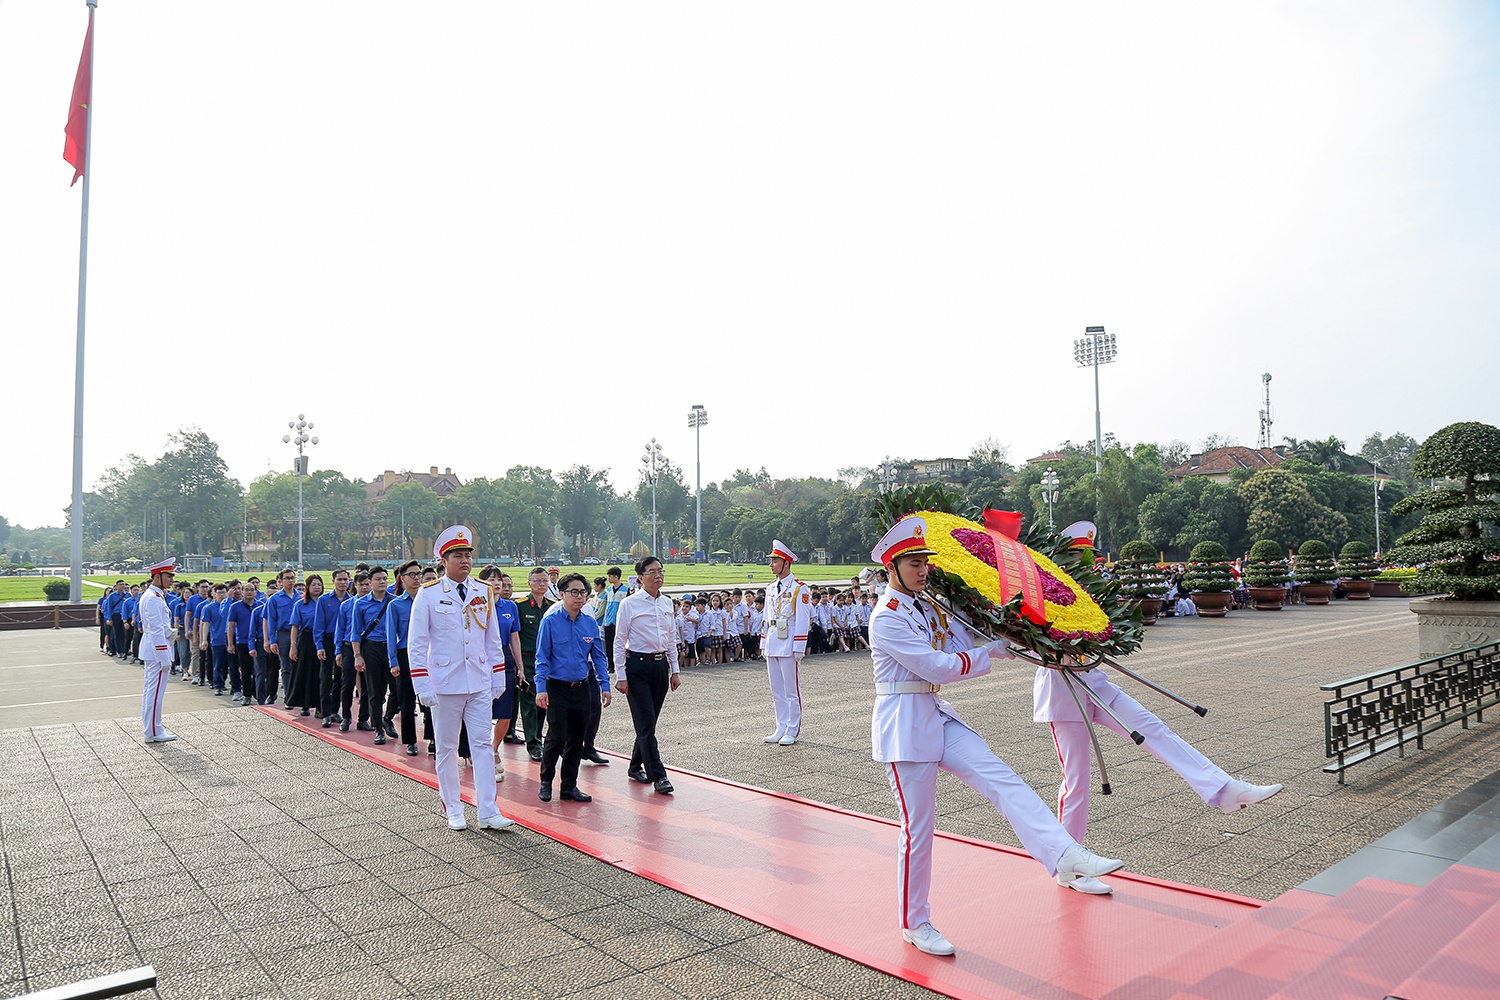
[965, 549]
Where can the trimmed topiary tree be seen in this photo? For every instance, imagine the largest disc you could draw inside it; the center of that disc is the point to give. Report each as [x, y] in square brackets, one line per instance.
[1266, 575]
[1315, 571]
[1210, 579]
[1357, 567]
[57, 590]
[1141, 579]
[1452, 540]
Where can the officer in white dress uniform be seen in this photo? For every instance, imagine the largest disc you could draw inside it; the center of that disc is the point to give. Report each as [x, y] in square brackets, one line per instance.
[784, 641]
[156, 650]
[457, 670]
[914, 732]
[1053, 704]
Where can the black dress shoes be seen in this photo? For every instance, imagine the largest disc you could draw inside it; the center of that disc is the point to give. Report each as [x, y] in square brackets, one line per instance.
[327, 723]
[365, 727]
[544, 793]
[431, 748]
[596, 758]
[639, 774]
[663, 786]
[344, 726]
[411, 750]
[575, 795]
[512, 738]
[379, 738]
[536, 755]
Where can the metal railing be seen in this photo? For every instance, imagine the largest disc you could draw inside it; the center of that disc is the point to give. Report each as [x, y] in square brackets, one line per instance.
[1387, 709]
[116, 984]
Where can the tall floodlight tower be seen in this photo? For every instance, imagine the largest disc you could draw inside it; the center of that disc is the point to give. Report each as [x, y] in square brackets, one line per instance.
[1265, 411]
[697, 420]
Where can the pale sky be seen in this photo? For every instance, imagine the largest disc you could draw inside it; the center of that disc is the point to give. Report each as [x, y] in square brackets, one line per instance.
[405, 219]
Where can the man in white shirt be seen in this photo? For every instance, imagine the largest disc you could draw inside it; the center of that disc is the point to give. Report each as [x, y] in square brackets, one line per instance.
[784, 642]
[646, 649]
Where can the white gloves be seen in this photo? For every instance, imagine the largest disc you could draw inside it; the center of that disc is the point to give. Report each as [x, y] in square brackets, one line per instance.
[427, 698]
[999, 649]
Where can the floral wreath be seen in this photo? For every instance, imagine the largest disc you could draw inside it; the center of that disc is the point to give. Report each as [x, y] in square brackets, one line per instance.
[1086, 616]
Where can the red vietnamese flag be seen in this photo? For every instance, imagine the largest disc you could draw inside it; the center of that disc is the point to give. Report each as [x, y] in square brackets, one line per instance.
[77, 130]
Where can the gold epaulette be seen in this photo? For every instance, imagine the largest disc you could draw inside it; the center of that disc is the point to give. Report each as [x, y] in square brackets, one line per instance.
[430, 583]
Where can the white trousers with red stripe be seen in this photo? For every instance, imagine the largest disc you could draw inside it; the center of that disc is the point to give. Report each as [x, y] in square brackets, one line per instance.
[968, 758]
[153, 692]
[1073, 753]
[452, 712]
[786, 692]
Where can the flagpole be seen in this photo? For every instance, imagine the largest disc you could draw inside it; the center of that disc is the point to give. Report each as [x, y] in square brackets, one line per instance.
[75, 566]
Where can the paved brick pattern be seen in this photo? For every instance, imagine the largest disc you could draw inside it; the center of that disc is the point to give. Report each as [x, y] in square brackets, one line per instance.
[249, 860]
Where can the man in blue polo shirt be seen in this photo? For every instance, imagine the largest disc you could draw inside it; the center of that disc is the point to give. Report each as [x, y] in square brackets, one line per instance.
[371, 658]
[349, 678]
[569, 665]
[213, 629]
[279, 607]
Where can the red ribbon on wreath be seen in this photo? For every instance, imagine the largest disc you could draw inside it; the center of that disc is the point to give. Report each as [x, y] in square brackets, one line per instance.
[1018, 571]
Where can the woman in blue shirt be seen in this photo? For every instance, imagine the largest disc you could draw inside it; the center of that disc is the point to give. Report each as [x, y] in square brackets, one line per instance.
[305, 681]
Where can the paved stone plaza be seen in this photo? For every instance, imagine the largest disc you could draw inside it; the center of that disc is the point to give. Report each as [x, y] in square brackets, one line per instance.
[250, 860]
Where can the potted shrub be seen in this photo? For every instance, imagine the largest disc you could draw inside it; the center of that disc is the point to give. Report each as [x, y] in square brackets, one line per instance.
[1450, 547]
[1141, 579]
[1266, 575]
[1210, 579]
[1315, 571]
[57, 590]
[1357, 568]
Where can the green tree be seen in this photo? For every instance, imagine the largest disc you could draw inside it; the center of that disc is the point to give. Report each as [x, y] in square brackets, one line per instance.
[583, 495]
[118, 547]
[480, 504]
[671, 501]
[528, 500]
[4, 531]
[1282, 507]
[1394, 454]
[417, 508]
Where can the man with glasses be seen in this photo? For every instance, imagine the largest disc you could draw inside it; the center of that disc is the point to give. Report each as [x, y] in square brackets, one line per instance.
[570, 661]
[531, 610]
[397, 632]
[646, 646]
[457, 670]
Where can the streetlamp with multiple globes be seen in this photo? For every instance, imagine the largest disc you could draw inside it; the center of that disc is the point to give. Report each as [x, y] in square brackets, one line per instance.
[887, 470]
[653, 462]
[1050, 493]
[300, 438]
[697, 420]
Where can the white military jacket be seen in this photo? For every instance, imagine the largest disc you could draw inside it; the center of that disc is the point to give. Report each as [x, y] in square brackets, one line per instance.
[789, 600]
[1051, 701]
[156, 627]
[454, 643]
[909, 642]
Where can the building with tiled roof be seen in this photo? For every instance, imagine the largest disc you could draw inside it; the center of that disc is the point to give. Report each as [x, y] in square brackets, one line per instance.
[443, 483]
[1216, 465]
[1051, 456]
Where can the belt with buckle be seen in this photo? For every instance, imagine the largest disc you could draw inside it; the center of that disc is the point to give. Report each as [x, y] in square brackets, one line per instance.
[645, 656]
[906, 687]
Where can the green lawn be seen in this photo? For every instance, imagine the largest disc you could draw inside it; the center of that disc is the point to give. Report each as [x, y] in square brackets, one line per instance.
[29, 588]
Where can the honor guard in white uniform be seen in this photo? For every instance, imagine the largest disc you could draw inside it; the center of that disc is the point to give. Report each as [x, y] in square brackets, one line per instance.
[784, 641]
[156, 650]
[1055, 705]
[457, 670]
[914, 732]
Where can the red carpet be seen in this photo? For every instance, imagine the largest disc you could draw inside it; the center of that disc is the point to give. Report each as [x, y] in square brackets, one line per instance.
[827, 876]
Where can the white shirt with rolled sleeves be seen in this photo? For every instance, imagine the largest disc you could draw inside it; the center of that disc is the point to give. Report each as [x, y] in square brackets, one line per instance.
[910, 726]
[454, 644]
[646, 624]
[790, 599]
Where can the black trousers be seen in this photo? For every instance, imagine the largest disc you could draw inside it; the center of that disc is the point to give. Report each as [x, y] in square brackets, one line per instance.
[246, 664]
[817, 639]
[403, 699]
[596, 715]
[567, 717]
[377, 681]
[329, 677]
[353, 680]
[645, 690]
